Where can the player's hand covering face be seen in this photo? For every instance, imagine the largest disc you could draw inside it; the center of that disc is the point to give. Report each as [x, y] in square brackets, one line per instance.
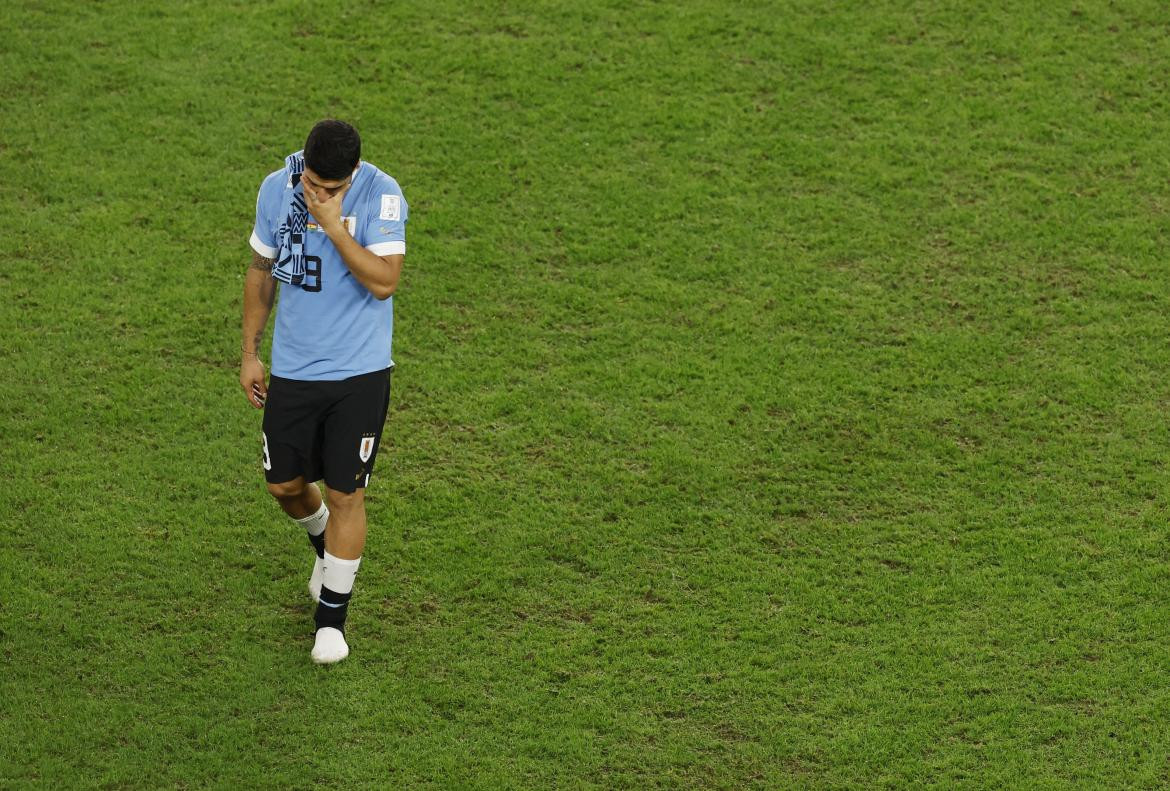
[323, 198]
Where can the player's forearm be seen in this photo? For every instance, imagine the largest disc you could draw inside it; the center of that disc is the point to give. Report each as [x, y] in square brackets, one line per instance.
[259, 293]
[379, 275]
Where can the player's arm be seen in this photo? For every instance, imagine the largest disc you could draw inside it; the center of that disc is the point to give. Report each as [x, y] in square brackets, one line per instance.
[378, 273]
[259, 294]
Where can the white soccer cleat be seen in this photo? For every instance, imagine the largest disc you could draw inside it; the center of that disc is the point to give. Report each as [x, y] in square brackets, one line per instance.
[315, 579]
[330, 646]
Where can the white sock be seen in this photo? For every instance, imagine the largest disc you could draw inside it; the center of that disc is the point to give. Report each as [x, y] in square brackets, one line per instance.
[314, 525]
[336, 589]
[339, 573]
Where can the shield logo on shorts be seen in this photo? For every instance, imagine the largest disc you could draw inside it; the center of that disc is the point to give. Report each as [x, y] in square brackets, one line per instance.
[367, 448]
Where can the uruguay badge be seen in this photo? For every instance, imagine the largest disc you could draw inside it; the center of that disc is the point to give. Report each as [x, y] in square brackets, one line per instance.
[367, 448]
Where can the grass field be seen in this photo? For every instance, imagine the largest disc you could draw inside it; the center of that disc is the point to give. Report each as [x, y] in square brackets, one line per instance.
[781, 398]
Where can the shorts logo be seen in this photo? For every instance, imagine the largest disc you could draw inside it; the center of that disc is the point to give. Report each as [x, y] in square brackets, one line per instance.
[267, 458]
[391, 208]
[366, 448]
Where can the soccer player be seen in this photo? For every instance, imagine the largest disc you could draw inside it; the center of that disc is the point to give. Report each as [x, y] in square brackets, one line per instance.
[330, 229]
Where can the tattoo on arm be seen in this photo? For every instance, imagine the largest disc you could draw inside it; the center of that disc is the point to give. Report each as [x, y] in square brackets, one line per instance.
[267, 291]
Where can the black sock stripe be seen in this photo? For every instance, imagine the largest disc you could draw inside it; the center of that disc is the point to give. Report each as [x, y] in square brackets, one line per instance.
[318, 543]
[332, 608]
[334, 599]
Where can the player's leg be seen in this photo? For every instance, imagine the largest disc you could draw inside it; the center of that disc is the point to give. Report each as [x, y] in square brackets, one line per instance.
[303, 502]
[290, 438]
[352, 435]
[345, 538]
[298, 499]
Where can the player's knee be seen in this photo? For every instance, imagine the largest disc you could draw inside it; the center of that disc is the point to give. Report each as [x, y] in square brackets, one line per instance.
[287, 490]
[342, 502]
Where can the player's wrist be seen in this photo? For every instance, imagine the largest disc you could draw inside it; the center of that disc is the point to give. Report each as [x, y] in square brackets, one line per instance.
[335, 228]
[246, 353]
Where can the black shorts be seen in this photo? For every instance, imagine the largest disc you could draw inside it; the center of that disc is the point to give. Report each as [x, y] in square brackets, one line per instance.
[327, 430]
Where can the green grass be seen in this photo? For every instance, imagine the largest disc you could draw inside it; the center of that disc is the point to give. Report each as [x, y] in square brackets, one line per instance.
[781, 398]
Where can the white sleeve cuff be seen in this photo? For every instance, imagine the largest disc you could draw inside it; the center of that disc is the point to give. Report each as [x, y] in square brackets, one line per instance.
[387, 248]
[261, 248]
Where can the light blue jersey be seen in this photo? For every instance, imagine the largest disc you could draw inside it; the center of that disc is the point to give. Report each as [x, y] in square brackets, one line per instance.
[330, 327]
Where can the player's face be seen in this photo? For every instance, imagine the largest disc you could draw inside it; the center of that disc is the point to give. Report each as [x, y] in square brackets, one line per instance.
[324, 189]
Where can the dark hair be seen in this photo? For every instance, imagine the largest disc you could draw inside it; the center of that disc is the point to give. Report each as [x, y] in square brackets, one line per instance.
[333, 149]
